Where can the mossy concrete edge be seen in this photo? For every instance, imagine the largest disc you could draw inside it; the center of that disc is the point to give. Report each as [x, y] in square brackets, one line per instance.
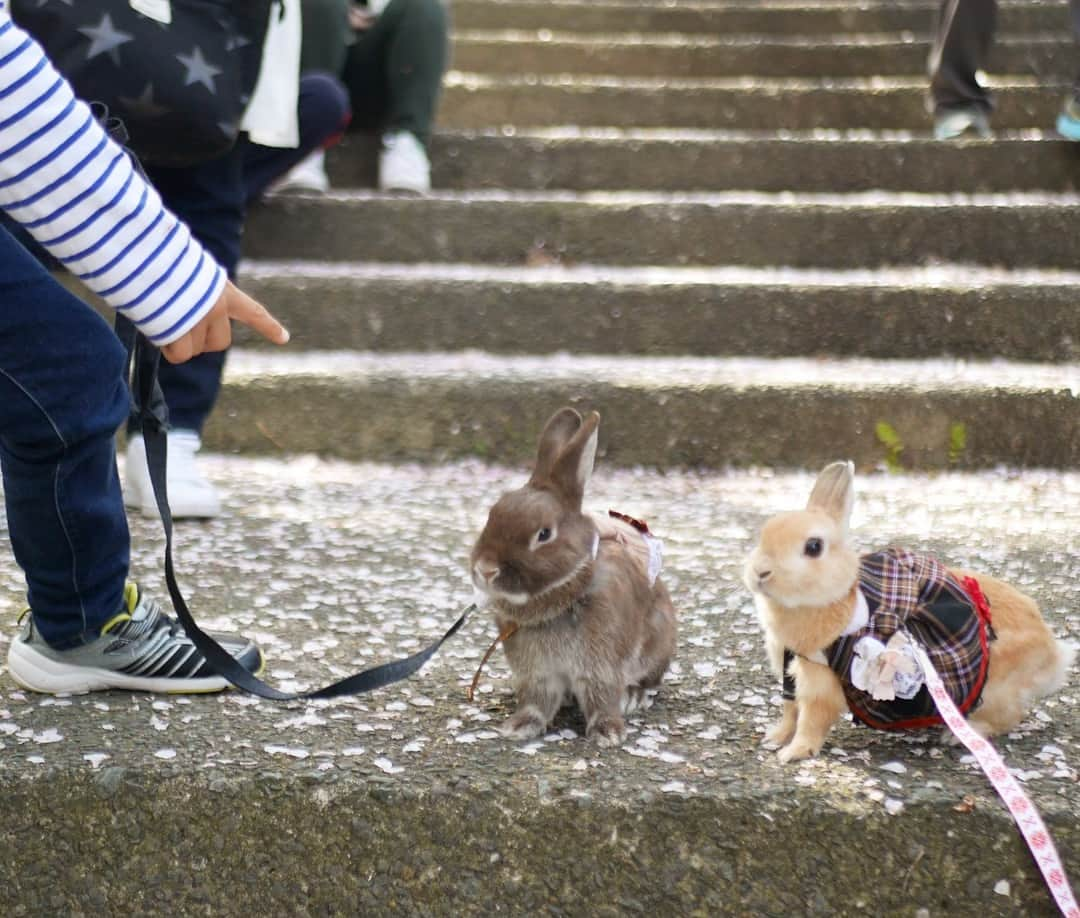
[273, 844]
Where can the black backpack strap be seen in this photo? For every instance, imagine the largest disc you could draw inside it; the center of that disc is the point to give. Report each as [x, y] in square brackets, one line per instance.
[149, 406]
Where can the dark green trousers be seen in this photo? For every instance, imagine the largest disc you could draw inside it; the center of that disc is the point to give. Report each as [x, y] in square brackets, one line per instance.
[393, 70]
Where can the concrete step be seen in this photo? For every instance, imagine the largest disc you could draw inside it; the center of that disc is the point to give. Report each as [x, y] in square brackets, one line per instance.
[664, 160]
[677, 411]
[802, 17]
[472, 100]
[1049, 56]
[407, 802]
[674, 311]
[634, 228]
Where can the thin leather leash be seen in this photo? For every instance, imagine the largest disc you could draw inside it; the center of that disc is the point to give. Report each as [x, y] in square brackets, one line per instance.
[505, 634]
[148, 403]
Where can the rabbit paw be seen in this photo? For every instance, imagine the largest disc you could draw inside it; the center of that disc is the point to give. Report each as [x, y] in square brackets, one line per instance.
[637, 699]
[796, 750]
[524, 724]
[947, 738]
[779, 734]
[608, 731]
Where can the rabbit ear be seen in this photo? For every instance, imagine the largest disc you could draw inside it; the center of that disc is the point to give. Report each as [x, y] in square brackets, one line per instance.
[566, 453]
[558, 432]
[834, 491]
[574, 467]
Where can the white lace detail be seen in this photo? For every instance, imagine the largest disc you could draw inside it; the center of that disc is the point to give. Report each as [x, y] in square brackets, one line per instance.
[656, 556]
[886, 671]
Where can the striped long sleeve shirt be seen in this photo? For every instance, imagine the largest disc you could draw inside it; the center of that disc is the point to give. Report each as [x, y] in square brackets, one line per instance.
[80, 196]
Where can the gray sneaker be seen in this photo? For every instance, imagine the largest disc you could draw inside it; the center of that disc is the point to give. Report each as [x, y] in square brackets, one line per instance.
[140, 649]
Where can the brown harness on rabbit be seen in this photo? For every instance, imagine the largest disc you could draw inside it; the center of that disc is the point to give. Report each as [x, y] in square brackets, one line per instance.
[616, 529]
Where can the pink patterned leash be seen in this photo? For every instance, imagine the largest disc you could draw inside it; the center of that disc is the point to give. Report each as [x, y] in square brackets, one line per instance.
[1023, 810]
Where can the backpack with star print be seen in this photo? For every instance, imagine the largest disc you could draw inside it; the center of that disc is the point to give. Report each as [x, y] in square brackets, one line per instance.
[177, 74]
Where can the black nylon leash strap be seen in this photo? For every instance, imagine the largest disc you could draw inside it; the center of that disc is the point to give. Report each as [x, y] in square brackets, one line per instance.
[149, 405]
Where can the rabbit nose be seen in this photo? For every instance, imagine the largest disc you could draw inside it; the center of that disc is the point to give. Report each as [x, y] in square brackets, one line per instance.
[486, 571]
[762, 576]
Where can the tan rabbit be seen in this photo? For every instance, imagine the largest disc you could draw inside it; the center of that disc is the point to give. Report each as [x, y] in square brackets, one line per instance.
[591, 620]
[829, 618]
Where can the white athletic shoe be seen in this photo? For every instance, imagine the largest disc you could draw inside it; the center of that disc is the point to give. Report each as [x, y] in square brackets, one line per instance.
[308, 175]
[190, 495]
[403, 164]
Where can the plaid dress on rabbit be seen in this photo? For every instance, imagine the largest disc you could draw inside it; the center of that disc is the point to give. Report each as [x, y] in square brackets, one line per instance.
[949, 618]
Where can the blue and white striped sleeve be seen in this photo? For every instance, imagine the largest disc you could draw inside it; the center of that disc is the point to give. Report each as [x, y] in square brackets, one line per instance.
[79, 195]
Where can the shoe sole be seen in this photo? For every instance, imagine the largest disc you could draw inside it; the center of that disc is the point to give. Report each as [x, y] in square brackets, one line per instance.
[36, 672]
[404, 189]
[962, 136]
[970, 132]
[297, 191]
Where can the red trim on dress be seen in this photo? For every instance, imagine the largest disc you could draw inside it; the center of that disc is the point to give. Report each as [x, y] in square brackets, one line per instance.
[639, 525]
[975, 594]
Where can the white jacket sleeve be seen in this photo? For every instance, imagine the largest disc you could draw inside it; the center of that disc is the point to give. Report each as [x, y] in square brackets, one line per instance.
[80, 196]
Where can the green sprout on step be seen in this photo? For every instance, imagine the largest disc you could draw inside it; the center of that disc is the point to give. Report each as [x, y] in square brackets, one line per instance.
[894, 446]
[957, 442]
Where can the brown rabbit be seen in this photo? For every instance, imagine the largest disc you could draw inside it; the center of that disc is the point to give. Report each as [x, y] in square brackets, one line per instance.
[828, 614]
[593, 620]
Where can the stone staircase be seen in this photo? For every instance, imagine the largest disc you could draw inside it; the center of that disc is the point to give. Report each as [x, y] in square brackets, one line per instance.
[723, 224]
[733, 208]
[407, 802]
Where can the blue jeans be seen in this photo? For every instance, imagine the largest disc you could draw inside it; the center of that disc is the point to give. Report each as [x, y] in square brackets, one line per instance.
[62, 398]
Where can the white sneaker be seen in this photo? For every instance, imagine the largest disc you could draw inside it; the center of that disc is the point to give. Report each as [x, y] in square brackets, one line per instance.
[403, 164]
[191, 496]
[308, 175]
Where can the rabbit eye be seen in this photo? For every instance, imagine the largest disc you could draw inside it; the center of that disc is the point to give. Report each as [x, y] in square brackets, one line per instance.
[813, 547]
[542, 536]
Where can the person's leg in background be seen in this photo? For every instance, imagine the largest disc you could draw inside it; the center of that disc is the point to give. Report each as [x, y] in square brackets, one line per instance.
[323, 105]
[212, 199]
[326, 33]
[965, 32]
[209, 197]
[394, 73]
